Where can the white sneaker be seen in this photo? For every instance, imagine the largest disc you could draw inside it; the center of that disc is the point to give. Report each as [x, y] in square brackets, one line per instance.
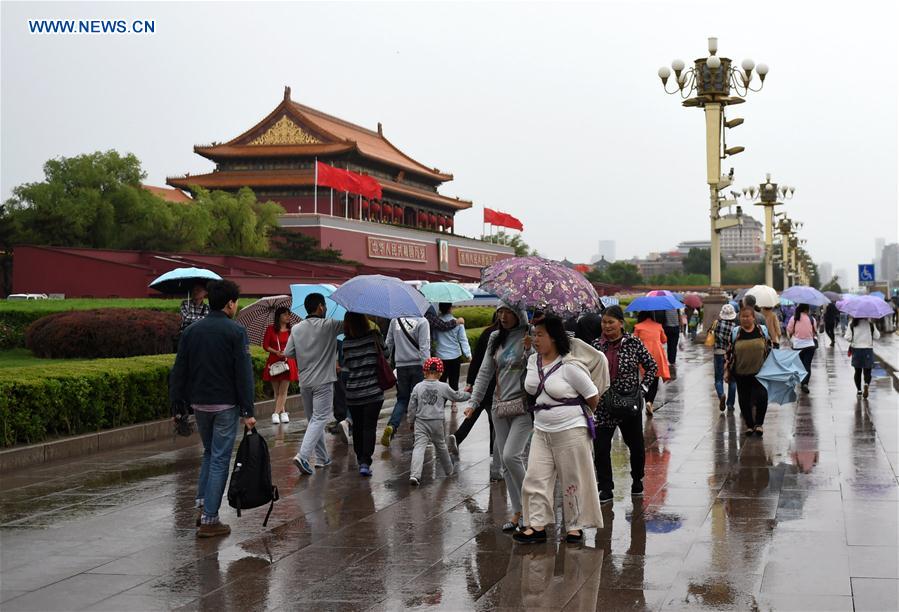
[344, 431]
[275, 419]
[284, 417]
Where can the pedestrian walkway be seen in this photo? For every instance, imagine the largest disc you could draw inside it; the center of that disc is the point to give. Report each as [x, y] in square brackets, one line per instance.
[804, 518]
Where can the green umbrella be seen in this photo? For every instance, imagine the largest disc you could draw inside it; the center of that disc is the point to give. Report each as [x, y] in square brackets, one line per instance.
[446, 293]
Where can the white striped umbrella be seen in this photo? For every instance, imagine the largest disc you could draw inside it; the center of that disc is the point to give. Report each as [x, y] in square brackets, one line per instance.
[260, 314]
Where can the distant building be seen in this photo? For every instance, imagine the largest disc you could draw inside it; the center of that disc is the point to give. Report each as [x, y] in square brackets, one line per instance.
[658, 264]
[890, 264]
[168, 194]
[739, 244]
[825, 272]
[602, 265]
[879, 244]
[606, 250]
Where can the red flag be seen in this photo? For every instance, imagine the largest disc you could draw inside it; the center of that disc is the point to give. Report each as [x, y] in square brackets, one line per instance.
[492, 217]
[344, 180]
[510, 222]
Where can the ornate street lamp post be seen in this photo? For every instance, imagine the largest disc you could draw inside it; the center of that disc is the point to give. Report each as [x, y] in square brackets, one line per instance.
[713, 79]
[767, 194]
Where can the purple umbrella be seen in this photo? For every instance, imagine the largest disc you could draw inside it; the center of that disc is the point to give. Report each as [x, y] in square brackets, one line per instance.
[802, 294]
[536, 283]
[833, 296]
[865, 307]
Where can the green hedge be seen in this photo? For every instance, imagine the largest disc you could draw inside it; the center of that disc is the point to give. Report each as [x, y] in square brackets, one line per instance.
[473, 336]
[475, 316]
[16, 316]
[37, 402]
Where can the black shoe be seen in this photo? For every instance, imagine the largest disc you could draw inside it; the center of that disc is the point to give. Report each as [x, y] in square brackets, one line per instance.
[535, 537]
[605, 497]
[722, 403]
[805, 389]
[576, 538]
[637, 489]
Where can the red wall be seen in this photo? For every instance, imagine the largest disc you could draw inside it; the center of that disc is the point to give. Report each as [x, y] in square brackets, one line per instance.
[38, 270]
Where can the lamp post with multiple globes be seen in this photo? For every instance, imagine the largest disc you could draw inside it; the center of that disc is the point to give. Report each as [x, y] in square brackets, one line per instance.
[713, 80]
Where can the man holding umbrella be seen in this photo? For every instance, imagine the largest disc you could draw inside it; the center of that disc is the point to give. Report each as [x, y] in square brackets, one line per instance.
[315, 341]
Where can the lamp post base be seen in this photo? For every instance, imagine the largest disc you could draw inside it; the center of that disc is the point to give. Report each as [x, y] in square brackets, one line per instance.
[711, 306]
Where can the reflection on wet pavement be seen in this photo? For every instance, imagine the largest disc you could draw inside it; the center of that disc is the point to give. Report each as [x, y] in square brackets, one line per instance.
[804, 518]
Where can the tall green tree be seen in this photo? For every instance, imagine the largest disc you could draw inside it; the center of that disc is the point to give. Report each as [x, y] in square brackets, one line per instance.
[240, 223]
[699, 261]
[833, 285]
[618, 273]
[522, 249]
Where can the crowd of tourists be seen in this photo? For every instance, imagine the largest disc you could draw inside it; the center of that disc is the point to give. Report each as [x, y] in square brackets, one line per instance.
[554, 392]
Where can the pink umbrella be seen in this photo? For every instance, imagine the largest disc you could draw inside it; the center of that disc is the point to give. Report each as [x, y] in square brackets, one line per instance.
[693, 300]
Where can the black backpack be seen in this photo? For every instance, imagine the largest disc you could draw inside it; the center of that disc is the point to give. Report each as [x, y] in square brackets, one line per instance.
[251, 479]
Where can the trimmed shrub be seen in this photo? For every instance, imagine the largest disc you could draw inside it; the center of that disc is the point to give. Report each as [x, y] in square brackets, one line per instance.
[475, 316]
[109, 332]
[10, 337]
[473, 336]
[38, 402]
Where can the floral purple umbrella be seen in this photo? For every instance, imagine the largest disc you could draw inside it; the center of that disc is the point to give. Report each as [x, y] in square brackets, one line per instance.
[536, 283]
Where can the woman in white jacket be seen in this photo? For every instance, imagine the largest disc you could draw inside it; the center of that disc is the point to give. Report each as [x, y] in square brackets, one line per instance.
[861, 334]
[562, 444]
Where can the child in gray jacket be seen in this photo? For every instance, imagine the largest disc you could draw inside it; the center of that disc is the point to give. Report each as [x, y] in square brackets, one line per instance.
[427, 409]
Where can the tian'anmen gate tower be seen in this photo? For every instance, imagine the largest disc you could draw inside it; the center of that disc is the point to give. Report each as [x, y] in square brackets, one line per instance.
[411, 226]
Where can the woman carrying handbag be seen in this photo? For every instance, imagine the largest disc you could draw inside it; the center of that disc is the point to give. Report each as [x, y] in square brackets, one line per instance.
[506, 363]
[279, 370]
[621, 406]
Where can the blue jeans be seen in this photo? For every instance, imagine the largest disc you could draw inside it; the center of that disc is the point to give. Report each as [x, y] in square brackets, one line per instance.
[719, 382]
[318, 404]
[217, 431]
[406, 378]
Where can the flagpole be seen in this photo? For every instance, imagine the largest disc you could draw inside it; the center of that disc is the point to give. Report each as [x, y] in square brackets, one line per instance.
[483, 223]
[346, 200]
[316, 186]
[332, 201]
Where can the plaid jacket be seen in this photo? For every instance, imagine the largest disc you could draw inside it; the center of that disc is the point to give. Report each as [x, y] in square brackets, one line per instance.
[724, 331]
[191, 313]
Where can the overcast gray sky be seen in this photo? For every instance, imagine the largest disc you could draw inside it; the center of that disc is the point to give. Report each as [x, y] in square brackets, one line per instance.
[552, 112]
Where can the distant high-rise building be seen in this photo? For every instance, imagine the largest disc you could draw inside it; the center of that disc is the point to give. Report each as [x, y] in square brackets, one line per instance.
[606, 251]
[890, 264]
[879, 244]
[825, 272]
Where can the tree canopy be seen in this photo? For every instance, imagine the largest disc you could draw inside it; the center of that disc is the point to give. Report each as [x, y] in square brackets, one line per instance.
[96, 200]
[617, 273]
[522, 249]
[699, 261]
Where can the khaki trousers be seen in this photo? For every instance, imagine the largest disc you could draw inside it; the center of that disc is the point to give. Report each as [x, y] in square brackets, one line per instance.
[569, 455]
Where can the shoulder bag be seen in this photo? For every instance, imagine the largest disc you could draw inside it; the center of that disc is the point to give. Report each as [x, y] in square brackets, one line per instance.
[386, 379]
[279, 367]
[510, 408]
[623, 406]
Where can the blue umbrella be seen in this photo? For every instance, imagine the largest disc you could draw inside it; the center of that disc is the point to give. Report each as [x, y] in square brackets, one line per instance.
[381, 296]
[878, 294]
[182, 280]
[780, 374]
[802, 294]
[450, 293]
[299, 292]
[654, 302]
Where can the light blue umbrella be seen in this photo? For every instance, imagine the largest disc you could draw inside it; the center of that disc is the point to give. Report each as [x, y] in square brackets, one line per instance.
[877, 294]
[802, 294]
[609, 300]
[182, 280]
[654, 302]
[381, 296]
[780, 374]
[299, 292]
[449, 293]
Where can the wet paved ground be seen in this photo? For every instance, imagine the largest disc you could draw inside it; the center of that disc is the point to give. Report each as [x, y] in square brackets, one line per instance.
[803, 519]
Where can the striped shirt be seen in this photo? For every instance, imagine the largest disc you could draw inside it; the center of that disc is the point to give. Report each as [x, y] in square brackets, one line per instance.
[360, 362]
